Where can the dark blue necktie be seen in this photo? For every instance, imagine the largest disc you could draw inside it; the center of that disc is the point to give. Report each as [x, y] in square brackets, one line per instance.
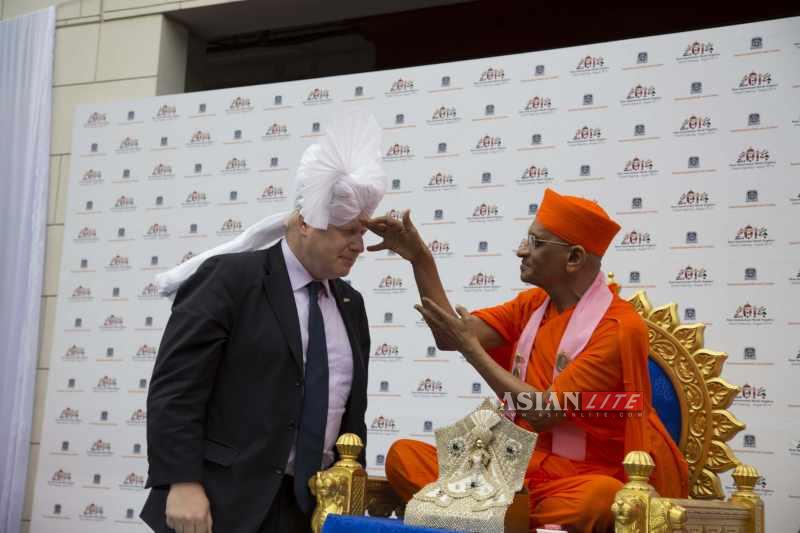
[311, 437]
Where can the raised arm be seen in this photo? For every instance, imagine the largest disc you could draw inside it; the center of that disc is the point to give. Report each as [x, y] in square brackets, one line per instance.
[402, 237]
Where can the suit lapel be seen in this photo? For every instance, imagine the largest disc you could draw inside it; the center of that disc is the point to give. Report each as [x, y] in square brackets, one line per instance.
[345, 306]
[278, 290]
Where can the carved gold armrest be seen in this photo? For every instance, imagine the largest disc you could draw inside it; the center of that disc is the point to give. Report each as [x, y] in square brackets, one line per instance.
[638, 508]
[341, 489]
[345, 488]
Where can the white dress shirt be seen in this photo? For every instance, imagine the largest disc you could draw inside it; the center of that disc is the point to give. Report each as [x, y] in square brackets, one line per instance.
[340, 354]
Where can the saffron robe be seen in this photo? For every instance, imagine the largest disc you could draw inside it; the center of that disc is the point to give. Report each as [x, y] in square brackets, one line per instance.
[563, 491]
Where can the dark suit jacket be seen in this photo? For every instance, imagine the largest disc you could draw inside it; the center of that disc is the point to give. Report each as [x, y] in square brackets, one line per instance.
[227, 387]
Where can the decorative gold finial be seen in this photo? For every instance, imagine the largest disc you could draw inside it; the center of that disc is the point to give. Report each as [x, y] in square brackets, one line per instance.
[745, 478]
[349, 446]
[340, 489]
[638, 466]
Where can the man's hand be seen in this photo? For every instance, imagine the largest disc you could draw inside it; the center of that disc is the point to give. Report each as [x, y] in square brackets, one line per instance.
[455, 331]
[399, 236]
[188, 510]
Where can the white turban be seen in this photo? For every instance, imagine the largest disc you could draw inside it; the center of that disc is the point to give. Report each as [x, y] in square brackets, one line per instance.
[337, 181]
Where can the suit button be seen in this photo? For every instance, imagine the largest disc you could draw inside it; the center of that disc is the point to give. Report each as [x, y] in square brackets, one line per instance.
[291, 425]
[279, 471]
[298, 383]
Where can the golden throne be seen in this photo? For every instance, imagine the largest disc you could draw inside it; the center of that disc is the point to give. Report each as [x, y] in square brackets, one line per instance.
[692, 400]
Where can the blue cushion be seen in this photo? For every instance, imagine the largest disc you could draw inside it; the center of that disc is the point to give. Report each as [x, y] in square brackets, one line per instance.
[665, 400]
[350, 524]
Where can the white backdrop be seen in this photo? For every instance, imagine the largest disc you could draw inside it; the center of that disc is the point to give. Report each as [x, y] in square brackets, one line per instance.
[689, 140]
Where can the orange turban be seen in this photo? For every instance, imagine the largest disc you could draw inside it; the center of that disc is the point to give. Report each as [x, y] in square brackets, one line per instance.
[577, 221]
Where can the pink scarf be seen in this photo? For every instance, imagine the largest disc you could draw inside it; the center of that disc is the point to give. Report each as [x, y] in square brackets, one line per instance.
[568, 439]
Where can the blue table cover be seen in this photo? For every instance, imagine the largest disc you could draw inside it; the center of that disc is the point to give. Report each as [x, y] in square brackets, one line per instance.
[350, 524]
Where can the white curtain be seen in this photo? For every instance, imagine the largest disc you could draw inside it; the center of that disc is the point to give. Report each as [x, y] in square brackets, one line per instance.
[26, 80]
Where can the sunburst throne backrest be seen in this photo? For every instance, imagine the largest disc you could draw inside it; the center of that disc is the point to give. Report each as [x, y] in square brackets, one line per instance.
[694, 371]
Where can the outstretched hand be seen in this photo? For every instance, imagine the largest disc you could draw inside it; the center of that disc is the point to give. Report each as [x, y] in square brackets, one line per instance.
[456, 331]
[399, 236]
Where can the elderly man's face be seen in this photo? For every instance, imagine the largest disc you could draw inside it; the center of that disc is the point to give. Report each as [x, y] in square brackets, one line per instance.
[544, 266]
[333, 252]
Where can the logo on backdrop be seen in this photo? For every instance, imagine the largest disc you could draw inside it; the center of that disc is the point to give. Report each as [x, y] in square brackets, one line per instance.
[156, 231]
[81, 294]
[69, 415]
[441, 181]
[748, 314]
[492, 76]
[636, 241]
[444, 115]
[538, 105]
[386, 352]
[440, 249]
[318, 96]
[429, 388]
[401, 87]
[96, 120]
[693, 201]
[86, 234]
[149, 292]
[124, 203]
[534, 175]
[92, 177]
[482, 282]
[74, 354]
[100, 448]
[137, 418]
[753, 158]
[240, 105]
[753, 395]
[161, 172]
[641, 94]
[61, 478]
[92, 513]
[698, 51]
[118, 262]
[200, 138]
[794, 448]
[390, 285]
[695, 125]
[590, 65]
[751, 236]
[196, 199]
[276, 131]
[128, 145]
[485, 213]
[488, 145]
[692, 276]
[166, 112]
[383, 426]
[145, 353]
[587, 135]
[230, 226]
[235, 166]
[755, 82]
[272, 193]
[398, 152]
[638, 168]
[106, 384]
[132, 481]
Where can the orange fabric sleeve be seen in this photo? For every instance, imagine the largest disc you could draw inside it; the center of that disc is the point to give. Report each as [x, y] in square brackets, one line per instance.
[509, 318]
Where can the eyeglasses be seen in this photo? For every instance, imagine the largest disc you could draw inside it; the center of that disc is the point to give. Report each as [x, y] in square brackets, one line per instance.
[532, 242]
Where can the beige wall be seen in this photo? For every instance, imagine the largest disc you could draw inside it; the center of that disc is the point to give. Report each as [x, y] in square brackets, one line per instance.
[106, 50]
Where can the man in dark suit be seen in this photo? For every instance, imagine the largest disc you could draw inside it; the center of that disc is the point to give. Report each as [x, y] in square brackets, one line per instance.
[226, 403]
